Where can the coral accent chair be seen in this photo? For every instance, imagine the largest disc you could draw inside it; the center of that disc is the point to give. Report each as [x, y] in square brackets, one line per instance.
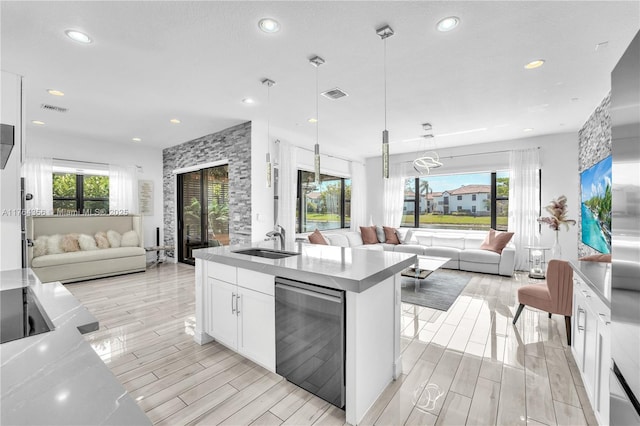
[555, 295]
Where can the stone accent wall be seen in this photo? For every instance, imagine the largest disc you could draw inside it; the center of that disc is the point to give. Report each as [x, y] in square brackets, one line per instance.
[232, 144]
[594, 144]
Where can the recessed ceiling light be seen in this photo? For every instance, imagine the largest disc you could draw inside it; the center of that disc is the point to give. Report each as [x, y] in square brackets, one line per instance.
[78, 36]
[136, 139]
[269, 25]
[248, 101]
[175, 121]
[535, 64]
[528, 129]
[37, 122]
[448, 23]
[575, 99]
[55, 92]
[312, 120]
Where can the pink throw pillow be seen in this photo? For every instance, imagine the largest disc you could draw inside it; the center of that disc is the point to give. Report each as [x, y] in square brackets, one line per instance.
[391, 237]
[496, 241]
[369, 235]
[317, 238]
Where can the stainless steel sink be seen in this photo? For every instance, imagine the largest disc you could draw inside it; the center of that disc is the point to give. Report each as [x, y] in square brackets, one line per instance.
[267, 253]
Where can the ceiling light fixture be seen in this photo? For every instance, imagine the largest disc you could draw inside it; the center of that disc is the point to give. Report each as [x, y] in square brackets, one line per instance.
[528, 129]
[534, 64]
[269, 25]
[175, 121]
[37, 122]
[268, 83]
[385, 32]
[316, 61]
[78, 36]
[448, 23]
[429, 159]
[55, 92]
[248, 101]
[136, 139]
[312, 120]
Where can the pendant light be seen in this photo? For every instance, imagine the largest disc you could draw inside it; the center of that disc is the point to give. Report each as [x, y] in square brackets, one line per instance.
[429, 159]
[267, 82]
[384, 33]
[316, 61]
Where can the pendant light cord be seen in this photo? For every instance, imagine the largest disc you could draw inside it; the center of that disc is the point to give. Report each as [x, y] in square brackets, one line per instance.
[317, 111]
[385, 83]
[269, 119]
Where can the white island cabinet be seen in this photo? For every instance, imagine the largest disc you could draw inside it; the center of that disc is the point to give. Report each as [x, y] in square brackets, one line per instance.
[591, 332]
[235, 305]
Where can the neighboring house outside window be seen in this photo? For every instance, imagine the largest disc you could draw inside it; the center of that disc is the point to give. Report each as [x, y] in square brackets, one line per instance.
[323, 206]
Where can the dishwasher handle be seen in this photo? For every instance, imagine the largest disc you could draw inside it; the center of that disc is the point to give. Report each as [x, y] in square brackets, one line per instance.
[310, 293]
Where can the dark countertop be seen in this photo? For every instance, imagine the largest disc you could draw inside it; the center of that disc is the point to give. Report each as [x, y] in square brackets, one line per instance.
[597, 275]
[340, 268]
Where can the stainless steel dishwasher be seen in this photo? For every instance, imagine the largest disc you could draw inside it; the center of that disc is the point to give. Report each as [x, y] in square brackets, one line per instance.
[310, 338]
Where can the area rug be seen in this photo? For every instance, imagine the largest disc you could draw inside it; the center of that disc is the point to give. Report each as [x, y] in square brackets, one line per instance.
[438, 291]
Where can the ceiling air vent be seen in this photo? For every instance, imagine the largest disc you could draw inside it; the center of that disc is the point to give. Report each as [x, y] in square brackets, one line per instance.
[53, 108]
[334, 94]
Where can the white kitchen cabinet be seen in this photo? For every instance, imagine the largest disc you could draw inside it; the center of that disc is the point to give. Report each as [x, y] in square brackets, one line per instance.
[240, 309]
[591, 346]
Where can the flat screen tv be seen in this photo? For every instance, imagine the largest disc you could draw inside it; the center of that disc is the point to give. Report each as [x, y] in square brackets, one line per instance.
[595, 197]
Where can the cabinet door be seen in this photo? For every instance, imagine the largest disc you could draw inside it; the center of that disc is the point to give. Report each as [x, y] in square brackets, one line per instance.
[590, 353]
[224, 321]
[601, 405]
[256, 327]
[578, 332]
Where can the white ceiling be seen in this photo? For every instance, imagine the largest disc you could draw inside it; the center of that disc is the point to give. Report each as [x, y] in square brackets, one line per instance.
[196, 61]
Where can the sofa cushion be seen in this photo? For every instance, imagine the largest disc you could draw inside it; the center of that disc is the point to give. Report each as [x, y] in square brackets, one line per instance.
[369, 235]
[479, 256]
[390, 235]
[129, 239]
[452, 241]
[388, 247]
[316, 237]
[373, 247]
[424, 239]
[114, 238]
[473, 241]
[339, 240]
[409, 248]
[496, 240]
[402, 235]
[87, 242]
[85, 256]
[380, 234]
[355, 240]
[450, 252]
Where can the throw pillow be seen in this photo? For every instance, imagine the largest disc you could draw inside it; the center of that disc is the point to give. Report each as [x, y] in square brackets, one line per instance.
[70, 243]
[369, 235]
[316, 237]
[87, 242]
[390, 235]
[597, 258]
[40, 246]
[129, 239]
[496, 241]
[114, 238]
[53, 244]
[101, 240]
[380, 234]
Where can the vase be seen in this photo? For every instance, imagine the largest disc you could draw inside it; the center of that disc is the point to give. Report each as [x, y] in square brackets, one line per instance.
[556, 250]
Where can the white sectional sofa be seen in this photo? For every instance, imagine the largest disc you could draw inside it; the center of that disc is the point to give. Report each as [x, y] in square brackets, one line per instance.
[462, 247]
[84, 265]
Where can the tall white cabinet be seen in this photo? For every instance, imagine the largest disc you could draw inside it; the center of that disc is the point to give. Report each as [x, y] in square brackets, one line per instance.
[591, 336]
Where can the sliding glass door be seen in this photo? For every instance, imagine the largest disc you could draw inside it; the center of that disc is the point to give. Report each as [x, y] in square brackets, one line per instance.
[203, 210]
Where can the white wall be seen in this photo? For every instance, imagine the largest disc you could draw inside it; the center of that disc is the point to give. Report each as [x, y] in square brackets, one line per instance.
[559, 161]
[10, 237]
[43, 142]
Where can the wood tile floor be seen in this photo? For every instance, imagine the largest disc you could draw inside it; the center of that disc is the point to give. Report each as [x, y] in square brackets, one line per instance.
[468, 365]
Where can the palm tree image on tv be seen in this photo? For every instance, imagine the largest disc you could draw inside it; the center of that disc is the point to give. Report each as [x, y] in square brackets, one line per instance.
[595, 188]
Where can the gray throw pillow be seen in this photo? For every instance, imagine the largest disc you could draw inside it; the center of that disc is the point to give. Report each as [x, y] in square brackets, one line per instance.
[380, 234]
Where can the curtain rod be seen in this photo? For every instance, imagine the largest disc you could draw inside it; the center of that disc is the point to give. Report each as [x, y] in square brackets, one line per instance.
[328, 155]
[469, 155]
[80, 161]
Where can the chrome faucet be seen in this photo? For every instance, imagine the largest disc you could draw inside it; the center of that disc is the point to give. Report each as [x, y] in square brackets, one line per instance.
[278, 231]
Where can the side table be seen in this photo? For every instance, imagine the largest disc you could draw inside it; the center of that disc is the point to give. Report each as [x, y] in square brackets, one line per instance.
[158, 249]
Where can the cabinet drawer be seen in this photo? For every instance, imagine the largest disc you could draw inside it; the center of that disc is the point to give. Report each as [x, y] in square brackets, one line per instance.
[592, 299]
[222, 272]
[257, 281]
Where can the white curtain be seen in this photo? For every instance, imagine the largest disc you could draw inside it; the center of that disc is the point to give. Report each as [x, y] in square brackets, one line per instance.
[123, 190]
[38, 181]
[524, 206]
[393, 197]
[358, 196]
[288, 180]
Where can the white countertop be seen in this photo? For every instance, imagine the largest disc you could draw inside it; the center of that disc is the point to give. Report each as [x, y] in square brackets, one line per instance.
[340, 268]
[596, 275]
[56, 378]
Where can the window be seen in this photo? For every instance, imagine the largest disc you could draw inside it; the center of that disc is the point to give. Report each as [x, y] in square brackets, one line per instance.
[448, 204]
[80, 194]
[323, 206]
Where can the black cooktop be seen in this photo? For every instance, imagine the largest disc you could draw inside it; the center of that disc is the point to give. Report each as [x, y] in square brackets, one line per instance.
[21, 315]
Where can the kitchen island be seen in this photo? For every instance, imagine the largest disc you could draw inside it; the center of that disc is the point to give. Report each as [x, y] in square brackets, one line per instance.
[235, 305]
[56, 378]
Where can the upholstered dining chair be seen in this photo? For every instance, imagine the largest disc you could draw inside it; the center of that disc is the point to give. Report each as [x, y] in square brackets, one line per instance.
[554, 296]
